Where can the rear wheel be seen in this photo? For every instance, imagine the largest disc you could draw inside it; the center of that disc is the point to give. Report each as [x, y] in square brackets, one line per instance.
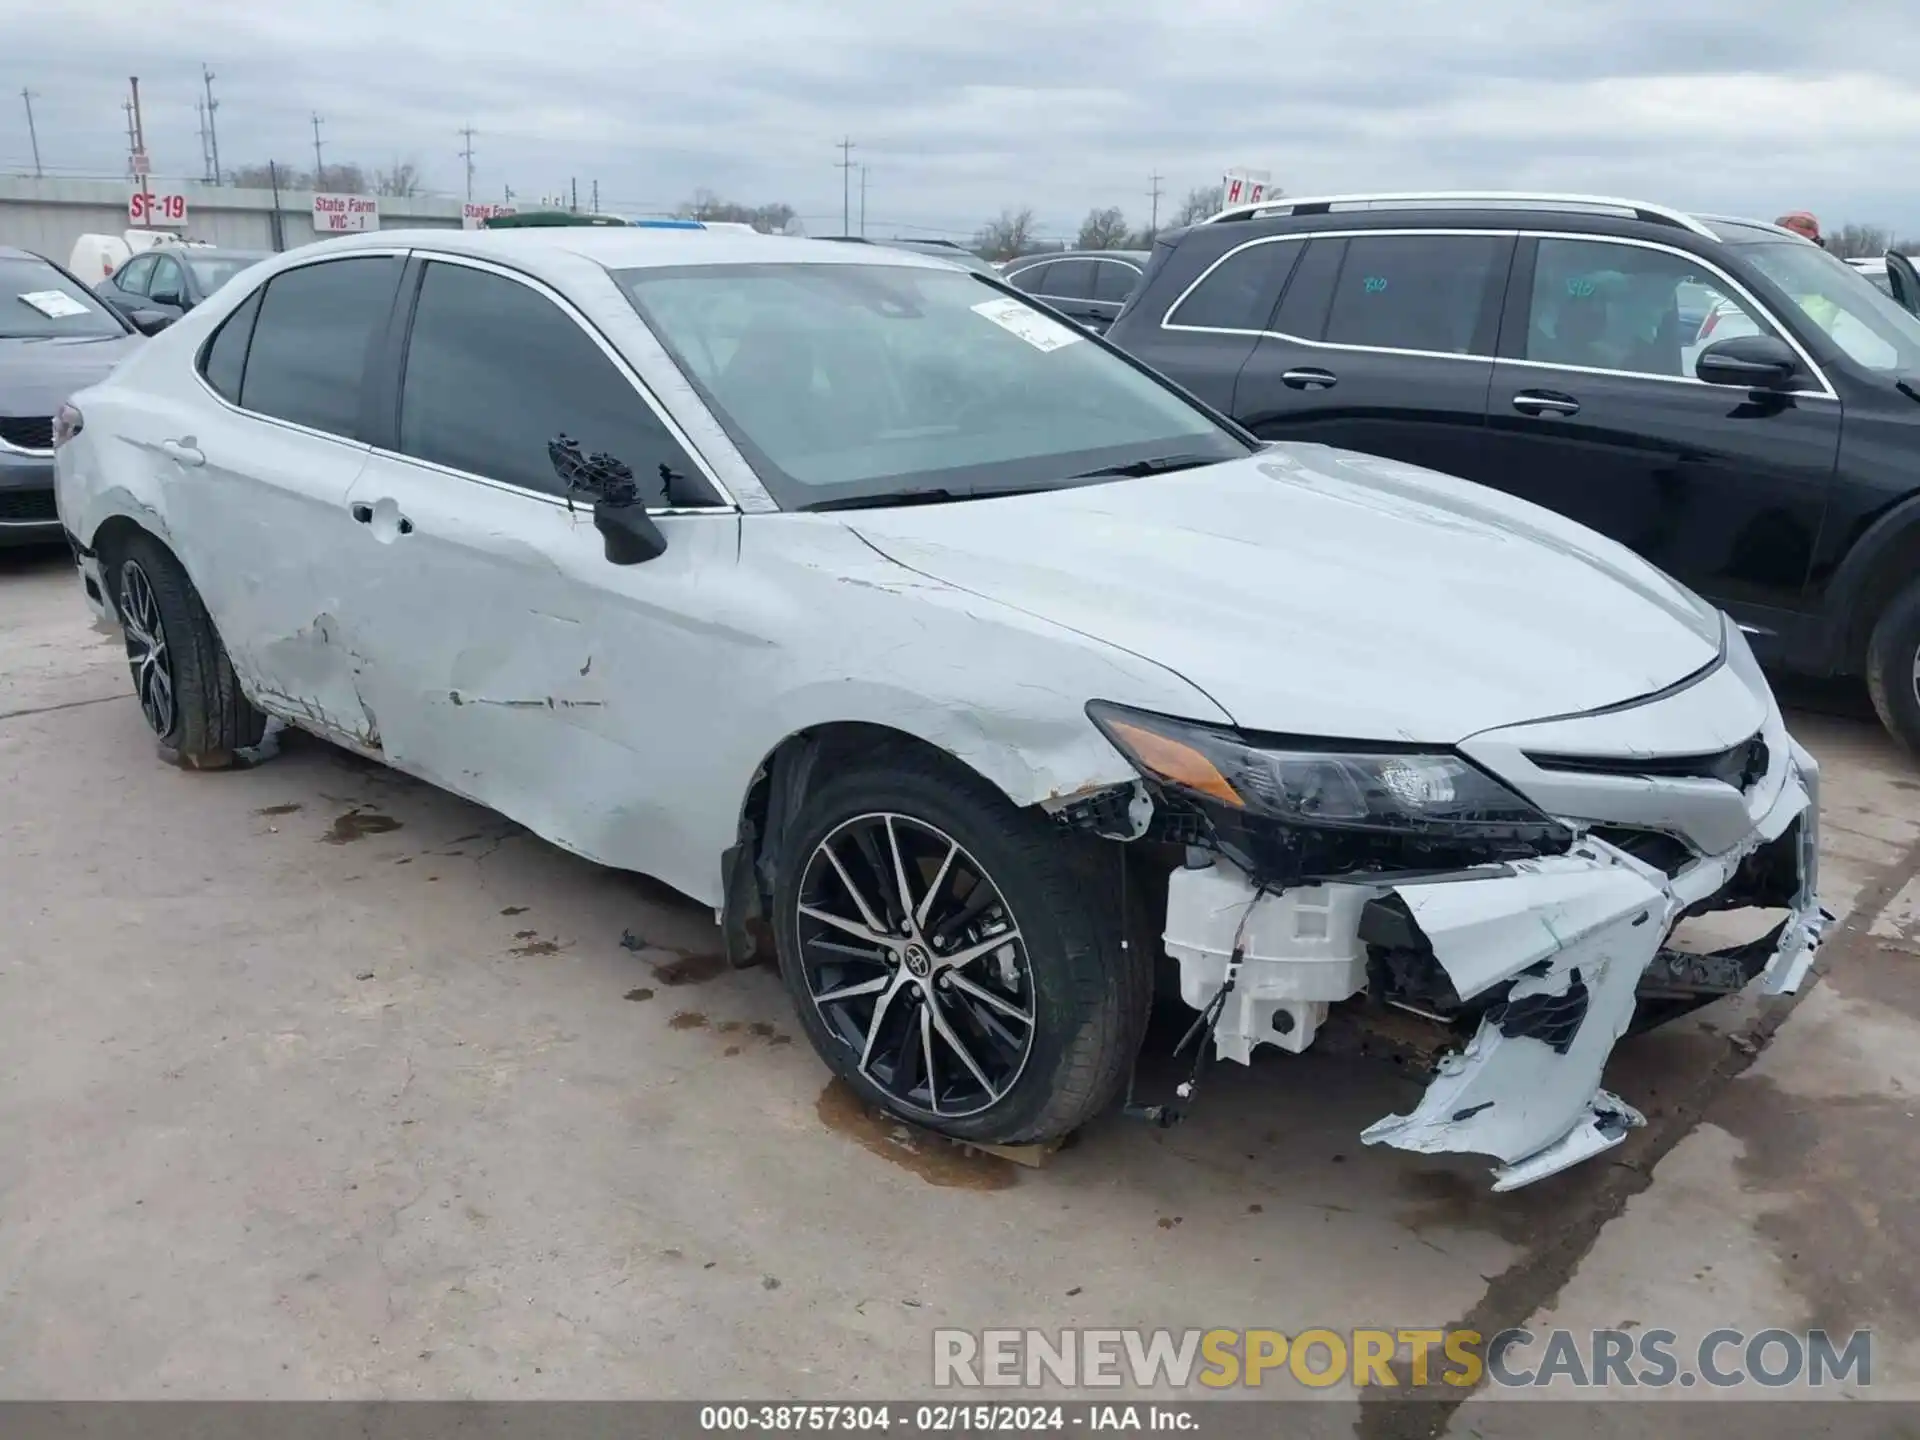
[954, 959]
[181, 674]
[1893, 667]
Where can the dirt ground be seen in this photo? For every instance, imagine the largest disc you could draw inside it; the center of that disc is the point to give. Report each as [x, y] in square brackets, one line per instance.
[317, 1082]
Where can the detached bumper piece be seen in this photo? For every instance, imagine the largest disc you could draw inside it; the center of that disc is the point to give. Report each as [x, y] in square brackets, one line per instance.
[1539, 966]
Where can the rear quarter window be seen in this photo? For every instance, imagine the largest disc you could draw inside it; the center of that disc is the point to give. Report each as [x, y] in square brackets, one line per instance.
[314, 338]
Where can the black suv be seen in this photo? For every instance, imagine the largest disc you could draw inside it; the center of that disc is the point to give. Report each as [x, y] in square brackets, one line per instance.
[1720, 395]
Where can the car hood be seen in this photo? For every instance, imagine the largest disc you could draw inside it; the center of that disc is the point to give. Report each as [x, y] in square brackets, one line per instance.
[37, 375]
[1316, 591]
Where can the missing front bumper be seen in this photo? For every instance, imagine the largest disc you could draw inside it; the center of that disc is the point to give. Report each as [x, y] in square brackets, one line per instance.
[1547, 959]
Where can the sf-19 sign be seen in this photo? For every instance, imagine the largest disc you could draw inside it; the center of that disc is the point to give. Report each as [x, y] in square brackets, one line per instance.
[146, 208]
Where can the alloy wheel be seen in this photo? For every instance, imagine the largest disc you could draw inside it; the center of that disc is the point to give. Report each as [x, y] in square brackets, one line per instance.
[1916, 675]
[147, 652]
[916, 963]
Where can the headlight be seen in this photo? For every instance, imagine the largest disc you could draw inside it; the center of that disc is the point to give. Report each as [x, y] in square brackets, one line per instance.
[1353, 789]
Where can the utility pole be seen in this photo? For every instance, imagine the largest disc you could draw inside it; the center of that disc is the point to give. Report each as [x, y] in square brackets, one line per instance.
[33, 135]
[319, 166]
[136, 129]
[467, 155]
[1153, 225]
[863, 201]
[213, 132]
[573, 190]
[200, 116]
[133, 142]
[596, 197]
[845, 165]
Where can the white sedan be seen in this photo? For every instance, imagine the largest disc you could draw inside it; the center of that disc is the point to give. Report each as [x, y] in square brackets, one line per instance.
[849, 593]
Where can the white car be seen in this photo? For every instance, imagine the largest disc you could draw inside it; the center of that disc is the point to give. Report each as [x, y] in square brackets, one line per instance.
[847, 592]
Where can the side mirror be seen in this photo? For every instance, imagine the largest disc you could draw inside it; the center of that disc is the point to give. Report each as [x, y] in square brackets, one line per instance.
[151, 322]
[1751, 362]
[632, 537]
[619, 514]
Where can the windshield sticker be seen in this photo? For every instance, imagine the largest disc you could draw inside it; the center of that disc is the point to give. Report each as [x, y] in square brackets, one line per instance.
[54, 304]
[1030, 325]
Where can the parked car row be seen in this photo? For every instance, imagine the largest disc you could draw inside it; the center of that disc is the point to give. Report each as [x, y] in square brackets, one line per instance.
[879, 606]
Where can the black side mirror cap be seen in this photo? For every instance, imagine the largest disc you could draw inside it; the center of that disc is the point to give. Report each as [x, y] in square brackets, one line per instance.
[151, 322]
[632, 537]
[1752, 362]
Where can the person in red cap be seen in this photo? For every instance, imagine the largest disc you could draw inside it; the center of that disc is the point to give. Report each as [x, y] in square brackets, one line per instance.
[1802, 222]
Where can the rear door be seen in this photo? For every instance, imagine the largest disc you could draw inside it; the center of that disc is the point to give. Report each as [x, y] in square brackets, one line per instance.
[1384, 343]
[1113, 282]
[1069, 288]
[1903, 281]
[257, 478]
[1596, 413]
[1203, 338]
[507, 658]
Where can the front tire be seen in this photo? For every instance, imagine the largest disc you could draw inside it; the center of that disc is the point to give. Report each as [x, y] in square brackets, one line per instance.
[1893, 667]
[992, 1000]
[181, 673]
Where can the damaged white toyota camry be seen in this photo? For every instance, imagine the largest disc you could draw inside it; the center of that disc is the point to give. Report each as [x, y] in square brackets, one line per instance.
[965, 662]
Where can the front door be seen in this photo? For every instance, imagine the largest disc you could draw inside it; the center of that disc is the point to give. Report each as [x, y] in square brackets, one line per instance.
[1596, 413]
[504, 657]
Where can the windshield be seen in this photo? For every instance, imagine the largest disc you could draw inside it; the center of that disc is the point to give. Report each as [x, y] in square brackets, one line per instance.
[1859, 318]
[213, 271]
[37, 302]
[843, 381]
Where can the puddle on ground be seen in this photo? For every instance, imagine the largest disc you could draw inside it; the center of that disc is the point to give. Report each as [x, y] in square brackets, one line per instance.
[934, 1158]
[688, 1020]
[641, 994]
[514, 910]
[286, 809]
[534, 946]
[357, 824]
[691, 969]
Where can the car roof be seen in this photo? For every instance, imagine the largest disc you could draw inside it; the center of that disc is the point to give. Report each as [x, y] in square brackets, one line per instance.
[14, 252]
[1039, 255]
[626, 248]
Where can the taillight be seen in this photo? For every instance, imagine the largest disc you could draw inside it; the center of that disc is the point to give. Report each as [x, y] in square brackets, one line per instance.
[67, 423]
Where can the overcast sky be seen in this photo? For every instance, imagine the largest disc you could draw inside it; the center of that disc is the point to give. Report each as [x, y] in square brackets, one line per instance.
[963, 107]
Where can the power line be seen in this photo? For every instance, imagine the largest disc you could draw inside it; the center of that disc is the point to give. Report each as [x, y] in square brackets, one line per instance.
[845, 165]
[467, 155]
[33, 135]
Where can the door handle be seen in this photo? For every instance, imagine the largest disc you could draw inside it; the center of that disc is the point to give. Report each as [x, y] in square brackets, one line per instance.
[1311, 378]
[1545, 402]
[362, 513]
[185, 452]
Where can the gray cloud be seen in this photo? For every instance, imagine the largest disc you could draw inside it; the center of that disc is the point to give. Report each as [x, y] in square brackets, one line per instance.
[1751, 106]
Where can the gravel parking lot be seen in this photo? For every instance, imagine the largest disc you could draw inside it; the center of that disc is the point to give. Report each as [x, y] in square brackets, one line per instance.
[317, 1082]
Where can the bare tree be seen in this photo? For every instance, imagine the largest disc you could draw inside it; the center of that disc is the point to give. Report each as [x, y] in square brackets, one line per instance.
[332, 179]
[1201, 201]
[1006, 237]
[401, 179]
[1855, 242]
[1103, 229]
[705, 205]
[1909, 246]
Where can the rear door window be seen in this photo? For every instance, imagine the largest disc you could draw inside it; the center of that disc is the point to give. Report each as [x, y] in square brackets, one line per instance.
[1114, 280]
[1418, 292]
[1070, 279]
[1029, 278]
[1237, 294]
[313, 341]
[496, 373]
